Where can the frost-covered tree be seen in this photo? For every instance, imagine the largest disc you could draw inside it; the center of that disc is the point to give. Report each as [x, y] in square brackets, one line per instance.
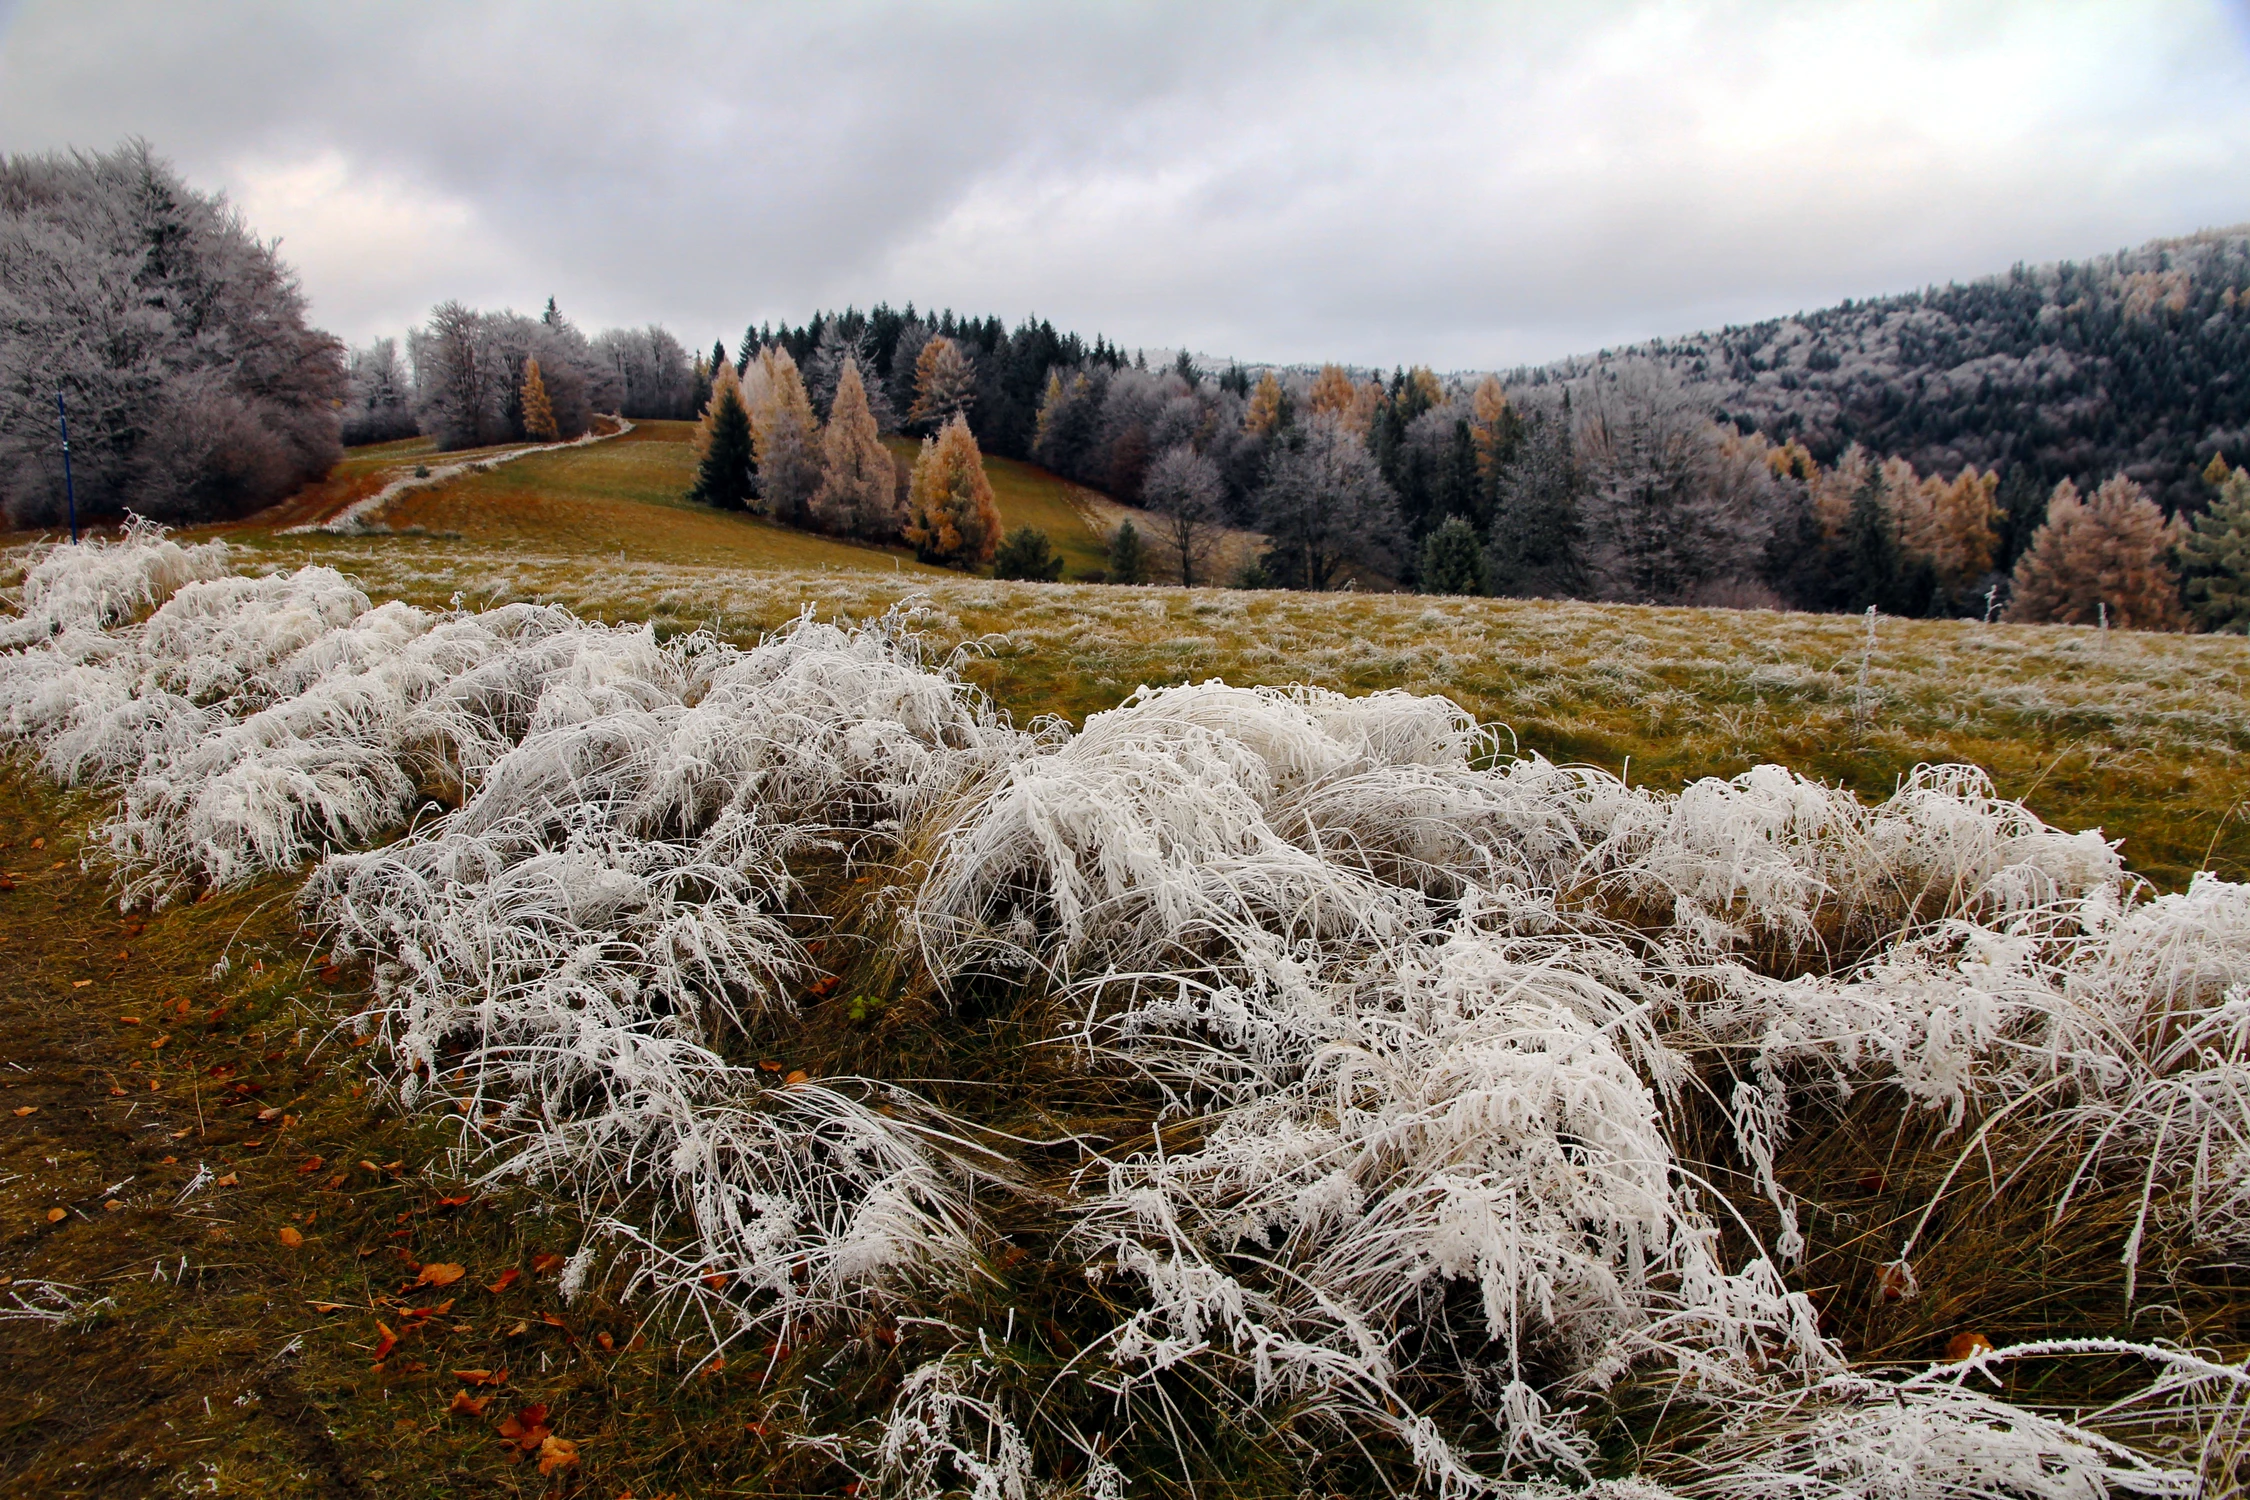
[2215, 557]
[945, 383]
[785, 435]
[1671, 507]
[858, 482]
[2104, 557]
[1327, 508]
[950, 515]
[1535, 548]
[177, 337]
[1183, 491]
[650, 371]
[378, 405]
[1452, 559]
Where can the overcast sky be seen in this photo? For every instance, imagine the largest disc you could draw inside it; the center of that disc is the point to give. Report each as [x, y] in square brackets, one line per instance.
[1457, 185]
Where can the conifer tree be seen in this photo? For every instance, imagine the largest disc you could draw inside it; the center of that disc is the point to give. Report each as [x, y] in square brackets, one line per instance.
[1029, 556]
[950, 516]
[1869, 553]
[857, 494]
[1268, 410]
[945, 384]
[1452, 561]
[2215, 558]
[1332, 394]
[2215, 472]
[1494, 427]
[538, 411]
[1128, 559]
[724, 475]
[2104, 556]
[784, 435]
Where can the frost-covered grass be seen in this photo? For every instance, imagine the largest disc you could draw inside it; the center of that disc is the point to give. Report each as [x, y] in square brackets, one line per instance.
[2143, 736]
[1267, 1087]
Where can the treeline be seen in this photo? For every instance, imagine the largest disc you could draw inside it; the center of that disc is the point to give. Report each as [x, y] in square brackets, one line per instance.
[2136, 363]
[1620, 484]
[176, 338]
[465, 376]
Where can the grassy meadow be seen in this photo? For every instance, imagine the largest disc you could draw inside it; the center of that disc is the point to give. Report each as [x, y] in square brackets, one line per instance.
[283, 1291]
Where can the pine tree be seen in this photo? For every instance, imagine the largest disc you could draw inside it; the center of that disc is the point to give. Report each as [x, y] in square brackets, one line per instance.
[945, 384]
[1332, 394]
[724, 476]
[538, 412]
[1029, 556]
[2110, 555]
[2215, 558]
[857, 494]
[1452, 560]
[2216, 471]
[1128, 559]
[950, 516]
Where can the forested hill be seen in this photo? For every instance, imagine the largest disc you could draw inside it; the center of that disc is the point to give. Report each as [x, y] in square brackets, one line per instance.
[2138, 361]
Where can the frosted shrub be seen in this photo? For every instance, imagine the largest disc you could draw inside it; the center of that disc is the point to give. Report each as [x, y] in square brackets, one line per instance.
[1433, 1086]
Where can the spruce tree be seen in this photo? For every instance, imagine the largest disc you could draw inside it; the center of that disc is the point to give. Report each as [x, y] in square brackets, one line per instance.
[538, 411]
[1029, 556]
[1452, 560]
[1870, 556]
[1128, 559]
[2215, 558]
[723, 478]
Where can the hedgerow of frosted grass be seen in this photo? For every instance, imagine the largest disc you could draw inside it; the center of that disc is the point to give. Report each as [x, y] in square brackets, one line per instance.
[1421, 1032]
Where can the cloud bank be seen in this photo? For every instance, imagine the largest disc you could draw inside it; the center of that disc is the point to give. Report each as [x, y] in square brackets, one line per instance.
[1461, 186]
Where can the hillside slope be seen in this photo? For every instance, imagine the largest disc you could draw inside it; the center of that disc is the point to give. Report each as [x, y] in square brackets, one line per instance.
[2134, 361]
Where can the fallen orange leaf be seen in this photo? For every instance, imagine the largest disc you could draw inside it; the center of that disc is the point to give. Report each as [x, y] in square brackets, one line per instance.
[325, 1307]
[715, 1280]
[79, 984]
[1967, 1346]
[467, 1405]
[28, 1109]
[507, 1279]
[439, 1273]
[481, 1377]
[605, 1341]
[57, 1215]
[796, 1076]
[273, 1113]
[230, 1180]
[309, 1165]
[556, 1453]
[386, 1343]
[291, 1238]
[544, 1261]
[527, 1429]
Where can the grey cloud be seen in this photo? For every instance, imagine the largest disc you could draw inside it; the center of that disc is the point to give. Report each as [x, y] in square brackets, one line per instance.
[1458, 185]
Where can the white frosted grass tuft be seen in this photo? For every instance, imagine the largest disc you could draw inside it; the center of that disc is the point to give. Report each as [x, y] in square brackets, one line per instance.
[1425, 1025]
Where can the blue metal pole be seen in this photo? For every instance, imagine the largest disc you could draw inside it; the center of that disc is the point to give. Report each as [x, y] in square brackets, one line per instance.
[70, 491]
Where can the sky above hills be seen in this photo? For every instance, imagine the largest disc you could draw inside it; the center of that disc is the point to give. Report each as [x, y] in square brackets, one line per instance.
[1464, 186]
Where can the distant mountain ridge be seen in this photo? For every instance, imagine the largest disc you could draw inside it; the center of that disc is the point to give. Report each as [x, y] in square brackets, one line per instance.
[2136, 362]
